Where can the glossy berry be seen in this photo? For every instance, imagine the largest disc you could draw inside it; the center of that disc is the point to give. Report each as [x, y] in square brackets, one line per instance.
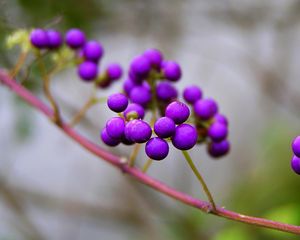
[107, 139]
[115, 127]
[295, 164]
[93, 51]
[138, 131]
[221, 119]
[217, 131]
[154, 56]
[88, 70]
[39, 38]
[165, 91]
[75, 38]
[55, 39]
[185, 137]
[117, 102]
[178, 112]
[114, 71]
[164, 127]
[205, 108]
[218, 149]
[171, 71]
[140, 67]
[192, 93]
[134, 110]
[157, 148]
[140, 95]
[128, 85]
[296, 146]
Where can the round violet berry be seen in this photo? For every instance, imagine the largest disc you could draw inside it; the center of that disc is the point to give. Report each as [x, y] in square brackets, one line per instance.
[217, 131]
[126, 141]
[218, 149]
[93, 51]
[134, 110]
[154, 56]
[221, 119]
[39, 38]
[140, 66]
[157, 148]
[107, 139]
[138, 131]
[205, 108]
[178, 112]
[192, 93]
[296, 146]
[140, 95]
[128, 85]
[114, 71]
[115, 127]
[171, 70]
[165, 91]
[295, 164]
[185, 137]
[117, 102]
[88, 70]
[75, 38]
[164, 127]
[55, 39]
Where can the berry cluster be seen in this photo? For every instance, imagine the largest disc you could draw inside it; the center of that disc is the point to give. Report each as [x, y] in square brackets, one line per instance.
[87, 53]
[295, 162]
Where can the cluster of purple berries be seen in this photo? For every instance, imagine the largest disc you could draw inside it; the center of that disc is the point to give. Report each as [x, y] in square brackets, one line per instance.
[295, 163]
[89, 52]
[209, 123]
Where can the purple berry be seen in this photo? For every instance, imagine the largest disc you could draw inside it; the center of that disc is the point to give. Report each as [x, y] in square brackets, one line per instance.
[164, 127]
[185, 137]
[140, 67]
[138, 131]
[205, 108]
[115, 127]
[134, 109]
[192, 93]
[217, 131]
[140, 95]
[39, 38]
[107, 139]
[117, 102]
[221, 119]
[93, 51]
[75, 38]
[126, 141]
[295, 164]
[154, 56]
[55, 39]
[88, 70]
[114, 71]
[178, 112]
[157, 148]
[171, 71]
[166, 91]
[218, 149]
[296, 146]
[128, 85]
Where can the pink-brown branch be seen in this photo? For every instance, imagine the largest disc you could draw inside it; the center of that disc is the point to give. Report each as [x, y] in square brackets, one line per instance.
[136, 173]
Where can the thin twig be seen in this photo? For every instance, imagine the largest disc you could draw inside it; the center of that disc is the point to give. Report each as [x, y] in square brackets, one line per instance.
[147, 165]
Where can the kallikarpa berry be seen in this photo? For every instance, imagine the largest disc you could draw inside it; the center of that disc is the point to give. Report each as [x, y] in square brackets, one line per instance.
[117, 102]
[55, 39]
[75, 38]
[140, 95]
[171, 70]
[139, 68]
[205, 108]
[138, 131]
[114, 71]
[165, 91]
[93, 51]
[157, 148]
[87, 70]
[39, 38]
[134, 110]
[192, 93]
[155, 57]
[115, 128]
[185, 137]
[218, 149]
[295, 164]
[296, 146]
[221, 119]
[164, 127]
[178, 112]
[107, 139]
[217, 131]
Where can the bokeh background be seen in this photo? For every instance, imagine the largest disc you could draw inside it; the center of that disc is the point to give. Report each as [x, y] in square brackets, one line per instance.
[245, 54]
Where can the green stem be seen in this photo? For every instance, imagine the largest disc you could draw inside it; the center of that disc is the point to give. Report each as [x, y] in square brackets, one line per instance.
[200, 178]
[147, 165]
[134, 154]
